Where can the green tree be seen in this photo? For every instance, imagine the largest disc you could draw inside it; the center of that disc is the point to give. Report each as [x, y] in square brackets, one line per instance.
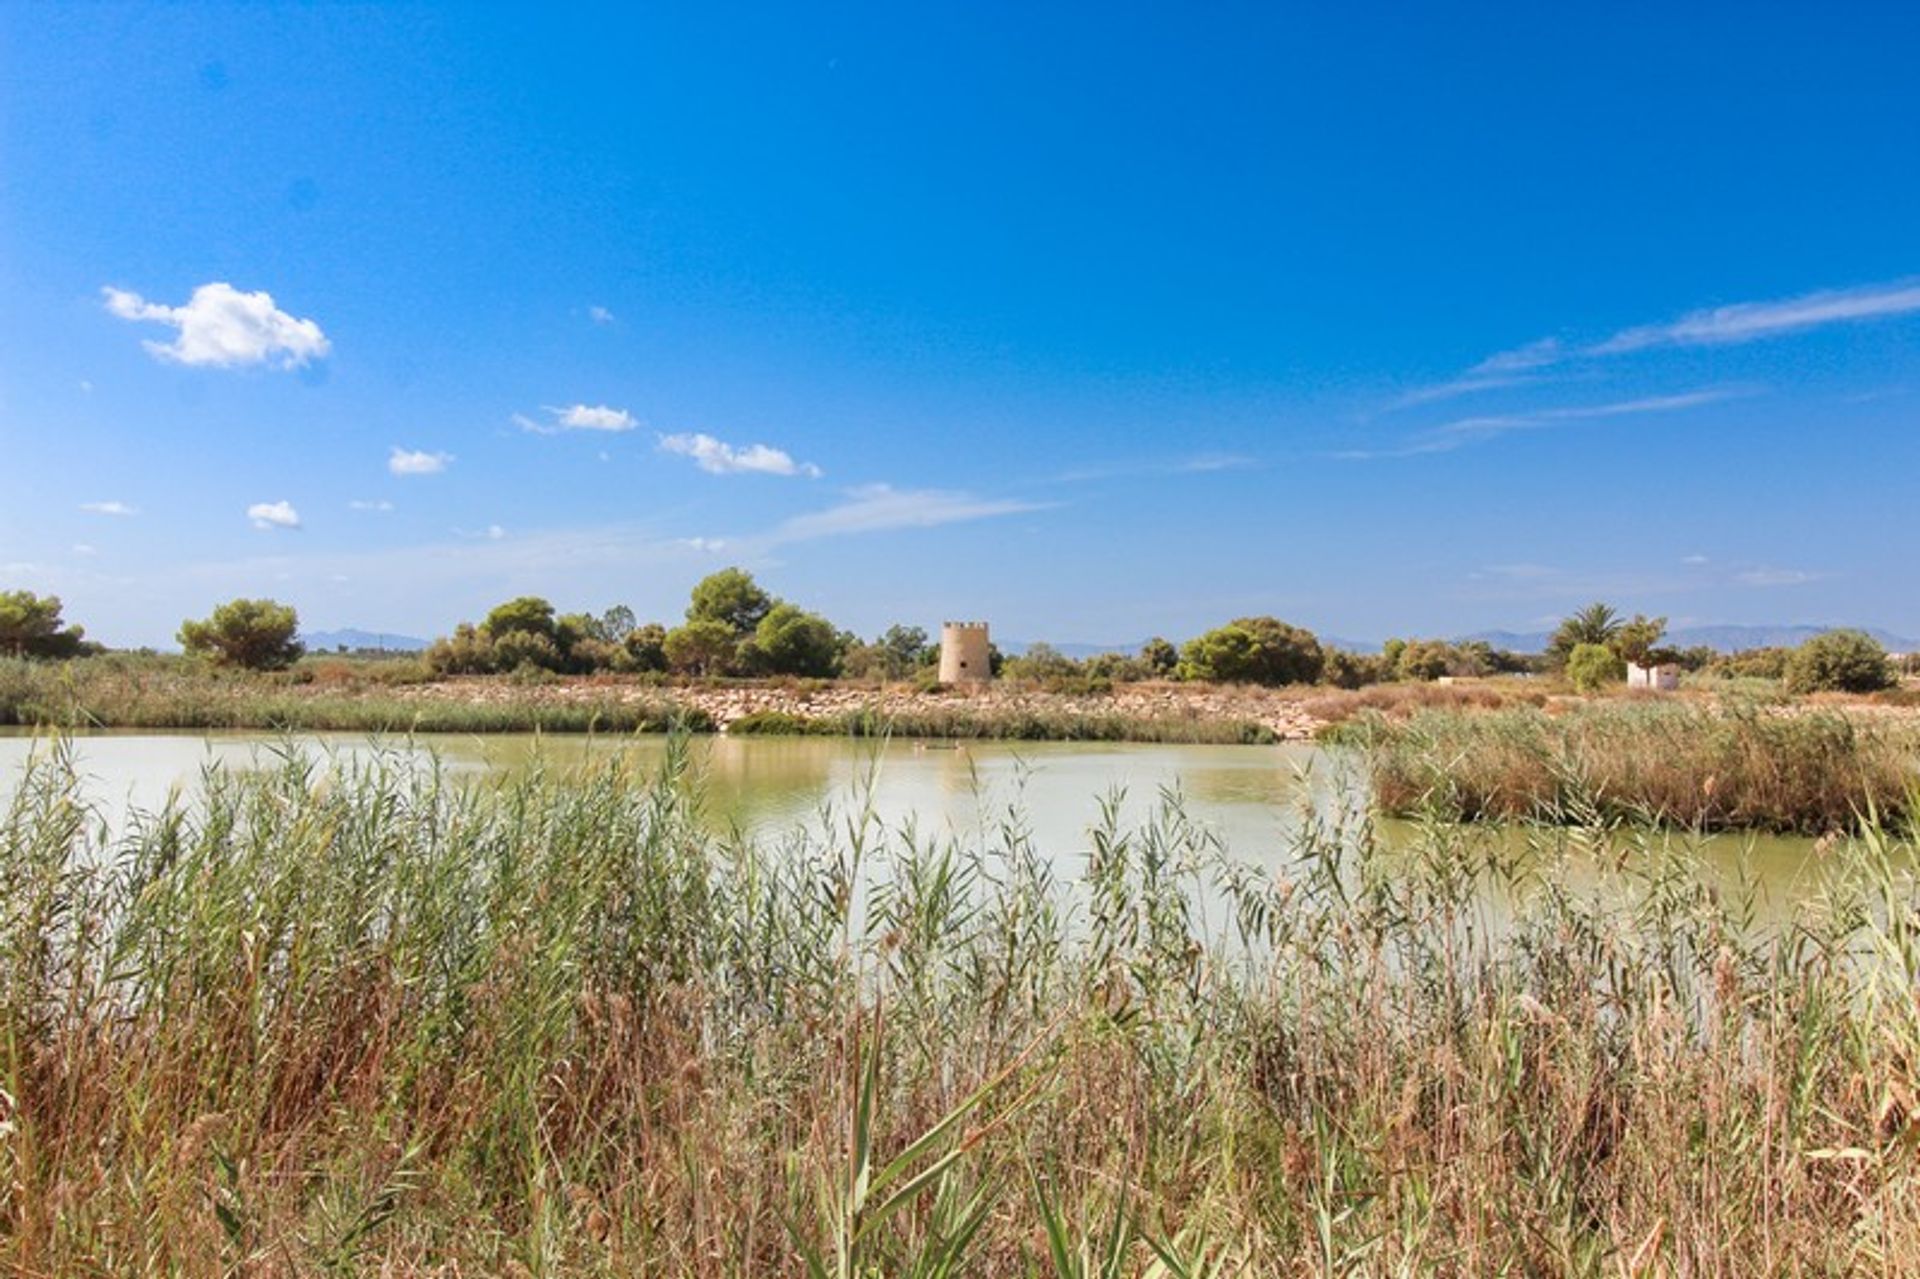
[519, 648]
[258, 635]
[528, 614]
[1161, 657]
[30, 627]
[1638, 641]
[703, 647]
[1422, 660]
[1592, 667]
[468, 651]
[1042, 663]
[907, 650]
[647, 647]
[792, 641]
[732, 598]
[1254, 650]
[1839, 662]
[1597, 623]
[614, 625]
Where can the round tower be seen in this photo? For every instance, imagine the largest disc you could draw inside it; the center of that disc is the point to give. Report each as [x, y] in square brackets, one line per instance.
[964, 657]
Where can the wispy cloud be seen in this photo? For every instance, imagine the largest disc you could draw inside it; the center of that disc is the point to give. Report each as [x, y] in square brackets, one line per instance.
[1449, 436]
[578, 417]
[109, 508]
[1534, 355]
[365, 504]
[417, 461]
[1198, 464]
[273, 515]
[220, 326]
[1471, 384]
[1775, 577]
[717, 457]
[600, 315]
[876, 508]
[1714, 326]
[1752, 321]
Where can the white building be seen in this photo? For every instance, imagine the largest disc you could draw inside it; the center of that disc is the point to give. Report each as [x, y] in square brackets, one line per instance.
[1660, 678]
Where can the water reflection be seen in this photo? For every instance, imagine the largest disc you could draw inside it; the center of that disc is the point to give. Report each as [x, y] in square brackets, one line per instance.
[1253, 799]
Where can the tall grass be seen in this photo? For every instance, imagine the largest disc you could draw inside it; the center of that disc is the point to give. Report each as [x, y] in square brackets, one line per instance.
[125, 691]
[366, 1022]
[1006, 724]
[1726, 767]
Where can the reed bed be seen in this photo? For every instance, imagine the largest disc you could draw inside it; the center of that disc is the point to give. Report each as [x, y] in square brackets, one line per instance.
[365, 1022]
[1007, 724]
[1730, 766]
[134, 692]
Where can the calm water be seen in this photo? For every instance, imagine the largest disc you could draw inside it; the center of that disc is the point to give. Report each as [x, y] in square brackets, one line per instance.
[1252, 797]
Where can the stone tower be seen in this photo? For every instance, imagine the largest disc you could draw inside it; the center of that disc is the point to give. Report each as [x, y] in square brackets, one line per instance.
[963, 653]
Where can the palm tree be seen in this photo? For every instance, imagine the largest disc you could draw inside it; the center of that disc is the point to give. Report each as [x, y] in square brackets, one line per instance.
[1597, 623]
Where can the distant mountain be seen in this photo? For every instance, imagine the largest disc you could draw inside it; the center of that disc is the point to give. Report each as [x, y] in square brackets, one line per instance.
[331, 641]
[1724, 639]
[1017, 648]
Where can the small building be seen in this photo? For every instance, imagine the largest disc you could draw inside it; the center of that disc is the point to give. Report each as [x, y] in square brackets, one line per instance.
[1663, 679]
[965, 655]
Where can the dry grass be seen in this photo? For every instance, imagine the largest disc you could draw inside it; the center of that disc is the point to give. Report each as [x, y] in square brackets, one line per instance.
[1677, 763]
[326, 694]
[1400, 701]
[371, 1024]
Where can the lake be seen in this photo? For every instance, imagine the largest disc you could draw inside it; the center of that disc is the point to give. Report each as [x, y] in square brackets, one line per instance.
[1251, 797]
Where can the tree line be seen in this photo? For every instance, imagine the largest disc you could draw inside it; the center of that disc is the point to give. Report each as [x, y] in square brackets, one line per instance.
[735, 628]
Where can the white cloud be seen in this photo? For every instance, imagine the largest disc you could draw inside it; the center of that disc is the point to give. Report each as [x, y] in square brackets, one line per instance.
[109, 508]
[84, 548]
[273, 515]
[1751, 321]
[495, 532]
[1198, 464]
[1472, 430]
[1715, 326]
[706, 545]
[717, 457]
[1775, 577]
[222, 327]
[579, 417]
[875, 508]
[1695, 559]
[1534, 355]
[363, 504]
[600, 315]
[417, 461]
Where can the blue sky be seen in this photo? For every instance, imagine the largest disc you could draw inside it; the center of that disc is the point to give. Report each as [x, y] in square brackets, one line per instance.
[1097, 321]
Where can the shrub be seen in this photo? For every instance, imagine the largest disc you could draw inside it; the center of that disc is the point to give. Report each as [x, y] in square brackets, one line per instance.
[528, 615]
[1354, 670]
[792, 641]
[1254, 650]
[1839, 662]
[253, 634]
[1592, 667]
[647, 647]
[468, 651]
[700, 648]
[519, 649]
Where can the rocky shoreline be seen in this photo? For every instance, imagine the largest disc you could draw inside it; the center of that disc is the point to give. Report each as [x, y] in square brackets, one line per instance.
[1279, 712]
